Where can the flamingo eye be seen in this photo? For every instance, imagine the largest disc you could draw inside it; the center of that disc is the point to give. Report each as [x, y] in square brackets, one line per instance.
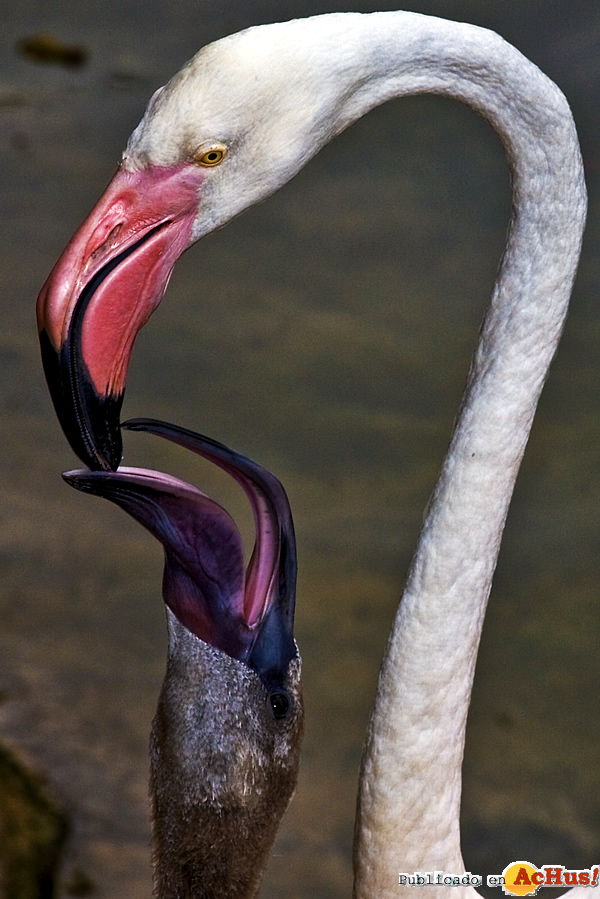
[280, 703]
[211, 157]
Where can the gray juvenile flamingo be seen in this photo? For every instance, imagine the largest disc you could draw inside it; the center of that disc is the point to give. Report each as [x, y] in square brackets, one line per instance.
[225, 743]
[237, 122]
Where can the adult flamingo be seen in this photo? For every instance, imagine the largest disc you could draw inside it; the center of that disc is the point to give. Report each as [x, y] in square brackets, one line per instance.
[238, 121]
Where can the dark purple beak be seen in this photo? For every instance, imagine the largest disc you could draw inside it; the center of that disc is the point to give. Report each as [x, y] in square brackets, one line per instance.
[249, 616]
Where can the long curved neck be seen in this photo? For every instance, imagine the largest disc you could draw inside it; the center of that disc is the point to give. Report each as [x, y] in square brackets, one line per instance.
[409, 800]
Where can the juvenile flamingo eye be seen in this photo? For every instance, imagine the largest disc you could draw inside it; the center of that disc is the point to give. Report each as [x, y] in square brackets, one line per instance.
[280, 703]
[212, 157]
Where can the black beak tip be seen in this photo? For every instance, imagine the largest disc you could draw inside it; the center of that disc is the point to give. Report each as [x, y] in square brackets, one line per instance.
[101, 437]
[90, 422]
[72, 478]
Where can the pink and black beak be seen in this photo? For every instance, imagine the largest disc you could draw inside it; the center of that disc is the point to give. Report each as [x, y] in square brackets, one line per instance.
[108, 281]
[249, 615]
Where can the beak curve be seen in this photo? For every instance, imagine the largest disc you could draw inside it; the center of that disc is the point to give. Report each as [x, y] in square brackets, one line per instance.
[103, 289]
[251, 616]
[270, 583]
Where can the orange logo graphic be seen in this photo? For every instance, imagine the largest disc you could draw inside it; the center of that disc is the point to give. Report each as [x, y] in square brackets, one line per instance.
[524, 879]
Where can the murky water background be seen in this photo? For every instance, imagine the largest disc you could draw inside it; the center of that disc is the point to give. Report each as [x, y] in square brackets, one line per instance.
[326, 334]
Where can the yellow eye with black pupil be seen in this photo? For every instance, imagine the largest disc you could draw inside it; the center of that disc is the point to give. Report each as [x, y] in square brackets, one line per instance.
[211, 157]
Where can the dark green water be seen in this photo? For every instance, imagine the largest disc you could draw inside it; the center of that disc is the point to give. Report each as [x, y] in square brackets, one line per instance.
[327, 334]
